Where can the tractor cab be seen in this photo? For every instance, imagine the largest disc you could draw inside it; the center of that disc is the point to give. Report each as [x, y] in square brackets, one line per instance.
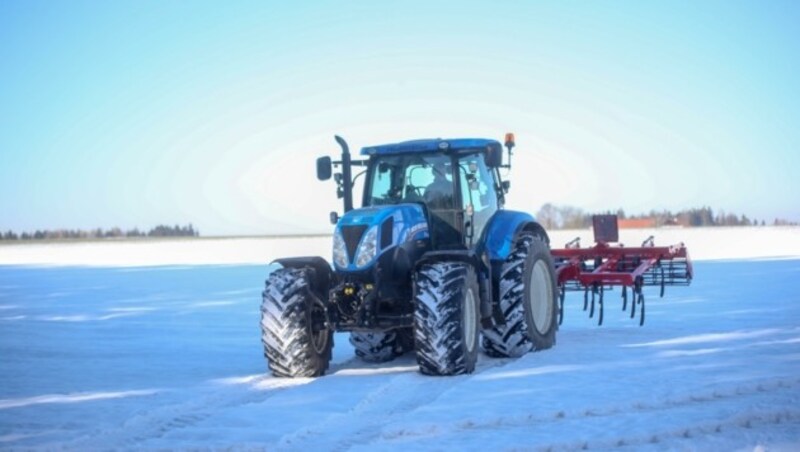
[449, 178]
[456, 182]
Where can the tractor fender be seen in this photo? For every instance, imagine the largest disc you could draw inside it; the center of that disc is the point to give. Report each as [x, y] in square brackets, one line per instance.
[503, 230]
[322, 276]
[464, 256]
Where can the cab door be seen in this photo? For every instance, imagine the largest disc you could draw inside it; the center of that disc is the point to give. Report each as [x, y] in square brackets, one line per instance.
[478, 197]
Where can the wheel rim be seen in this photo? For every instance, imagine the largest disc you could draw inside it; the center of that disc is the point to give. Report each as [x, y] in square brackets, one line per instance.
[470, 315]
[539, 296]
[319, 338]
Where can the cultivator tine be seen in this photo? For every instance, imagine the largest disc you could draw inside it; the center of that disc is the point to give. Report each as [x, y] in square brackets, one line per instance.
[591, 310]
[561, 297]
[600, 301]
[624, 298]
[641, 310]
[675, 271]
[639, 298]
[585, 299]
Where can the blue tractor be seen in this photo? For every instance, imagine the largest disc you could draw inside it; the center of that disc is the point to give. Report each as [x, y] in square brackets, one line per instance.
[432, 263]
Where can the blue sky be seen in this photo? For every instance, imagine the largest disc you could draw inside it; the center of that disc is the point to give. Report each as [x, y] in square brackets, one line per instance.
[138, 113]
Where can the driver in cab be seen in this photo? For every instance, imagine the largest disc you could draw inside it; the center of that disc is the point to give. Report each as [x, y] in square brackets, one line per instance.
[439, 194]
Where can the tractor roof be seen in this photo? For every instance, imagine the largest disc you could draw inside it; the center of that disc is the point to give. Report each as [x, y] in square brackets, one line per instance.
[431, 145]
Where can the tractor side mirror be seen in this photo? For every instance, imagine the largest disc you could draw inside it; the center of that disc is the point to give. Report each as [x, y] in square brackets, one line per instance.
[324, 168]
[506, 185]
[494, 157]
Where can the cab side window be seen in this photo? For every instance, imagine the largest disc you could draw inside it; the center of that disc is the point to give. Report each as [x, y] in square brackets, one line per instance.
[477, 190]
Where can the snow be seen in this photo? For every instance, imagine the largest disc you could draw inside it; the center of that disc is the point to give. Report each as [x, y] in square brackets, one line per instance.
[136, 346]
[703, 243]
[70, 398]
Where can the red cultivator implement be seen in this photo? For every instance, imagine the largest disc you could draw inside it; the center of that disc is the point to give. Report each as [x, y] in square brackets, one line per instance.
[599, 268]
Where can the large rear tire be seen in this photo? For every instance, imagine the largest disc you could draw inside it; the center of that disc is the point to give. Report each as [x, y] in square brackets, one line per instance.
[375, 347]
[541, 296]
[296, 343]
[527, 295]
[446, 318]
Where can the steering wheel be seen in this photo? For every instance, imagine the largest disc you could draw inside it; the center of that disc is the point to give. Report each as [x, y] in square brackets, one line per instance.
[413, 193]
[420, 191]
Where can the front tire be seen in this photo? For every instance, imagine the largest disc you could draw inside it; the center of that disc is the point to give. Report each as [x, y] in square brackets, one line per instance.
[296, 344]
[446, 318]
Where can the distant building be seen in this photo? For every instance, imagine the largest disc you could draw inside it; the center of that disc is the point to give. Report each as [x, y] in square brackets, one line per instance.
[637, 223]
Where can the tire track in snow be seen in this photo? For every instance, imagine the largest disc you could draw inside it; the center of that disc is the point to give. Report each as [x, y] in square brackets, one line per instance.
[784, 387]
[391, 398]
[658, 439]
[184, 410]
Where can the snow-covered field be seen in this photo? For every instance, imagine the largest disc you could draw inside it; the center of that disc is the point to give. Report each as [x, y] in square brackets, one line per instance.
[703, 243]
[136, 345]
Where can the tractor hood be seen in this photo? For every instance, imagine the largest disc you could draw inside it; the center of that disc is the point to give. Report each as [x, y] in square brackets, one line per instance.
[363, 235]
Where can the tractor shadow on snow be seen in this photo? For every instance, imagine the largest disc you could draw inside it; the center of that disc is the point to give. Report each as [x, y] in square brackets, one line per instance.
[403, 364]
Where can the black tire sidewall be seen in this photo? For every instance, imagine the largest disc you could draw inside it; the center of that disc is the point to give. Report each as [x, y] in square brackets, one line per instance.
[317, 361]
[441, 319]
[539, 251]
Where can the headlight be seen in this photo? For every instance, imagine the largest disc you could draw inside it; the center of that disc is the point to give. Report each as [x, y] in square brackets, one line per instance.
[368, 247]
[339, 250]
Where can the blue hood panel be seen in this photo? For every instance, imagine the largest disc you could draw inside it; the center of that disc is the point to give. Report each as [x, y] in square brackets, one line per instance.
[409, 224]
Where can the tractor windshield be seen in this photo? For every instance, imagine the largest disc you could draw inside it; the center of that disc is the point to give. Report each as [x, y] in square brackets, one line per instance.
[420, 178]
[412, 178]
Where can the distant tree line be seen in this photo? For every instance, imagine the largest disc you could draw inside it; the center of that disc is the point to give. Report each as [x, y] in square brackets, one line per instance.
[569, 217]
[69, 234]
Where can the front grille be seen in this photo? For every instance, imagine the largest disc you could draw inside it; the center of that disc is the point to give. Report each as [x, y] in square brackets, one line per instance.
[352, 235]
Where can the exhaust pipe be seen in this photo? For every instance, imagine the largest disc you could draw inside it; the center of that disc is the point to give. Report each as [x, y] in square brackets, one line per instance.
[347, 179]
